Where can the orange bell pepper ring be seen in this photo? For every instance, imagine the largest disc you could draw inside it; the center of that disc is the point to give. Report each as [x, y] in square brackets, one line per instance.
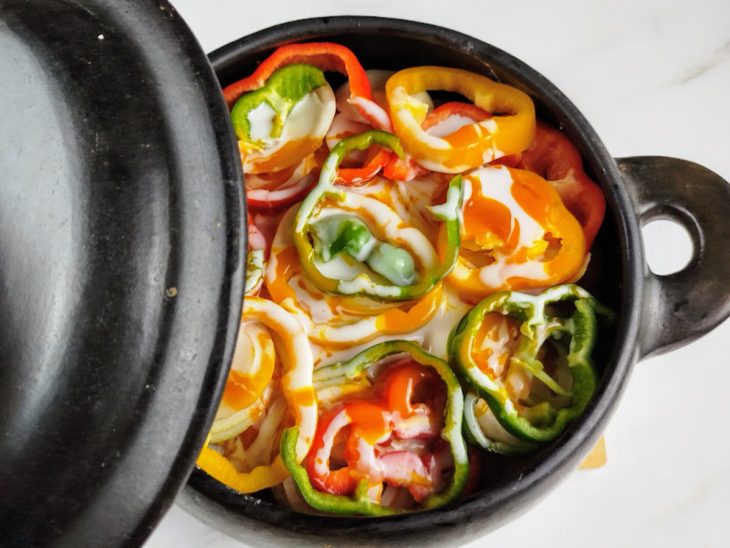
[470, 146]
[516, 234]
[554, 157]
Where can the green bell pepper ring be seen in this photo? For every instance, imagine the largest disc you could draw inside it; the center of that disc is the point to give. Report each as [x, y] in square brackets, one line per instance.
[387, 262]
[338, 233]
[358, 371]
[571, 339]
[282, 91]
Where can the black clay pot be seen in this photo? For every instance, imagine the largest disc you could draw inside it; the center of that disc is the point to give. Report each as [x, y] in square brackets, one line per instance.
[655, 313]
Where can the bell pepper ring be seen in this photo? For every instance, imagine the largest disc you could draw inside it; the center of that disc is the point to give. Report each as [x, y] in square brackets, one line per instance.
[358, 176]
[390, 255]
[285, 120]
[337, 321]
[326, 56]
[529, 360]
[250, 380]
[452, 115]
[349, 121]
[403, 169]
[510, 130]
[382, 445]
[517, 234]
[553, 156]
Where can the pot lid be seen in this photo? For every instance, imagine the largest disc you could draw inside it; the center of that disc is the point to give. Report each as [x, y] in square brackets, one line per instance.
[120, 265]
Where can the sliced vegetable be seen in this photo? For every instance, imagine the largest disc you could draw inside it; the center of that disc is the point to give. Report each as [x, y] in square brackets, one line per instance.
[529, 358]
[337, 320]
[285, 120]
[328, 57]
[379, 214]
[348, 122]
[389, 260]
[358, 176]
[402, 169]
[553, 156]
[401, 439]
[510, 130]
[517, 234]
[269, 385]
[347, 233]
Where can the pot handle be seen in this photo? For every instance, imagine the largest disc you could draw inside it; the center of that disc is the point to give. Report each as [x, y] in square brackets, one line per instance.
[683, 306]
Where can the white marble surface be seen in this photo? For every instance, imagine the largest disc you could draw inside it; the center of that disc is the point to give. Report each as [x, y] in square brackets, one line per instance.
[653, 77]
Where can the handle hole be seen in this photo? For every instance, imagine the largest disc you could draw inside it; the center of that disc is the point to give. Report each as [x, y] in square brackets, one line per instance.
[668, 246]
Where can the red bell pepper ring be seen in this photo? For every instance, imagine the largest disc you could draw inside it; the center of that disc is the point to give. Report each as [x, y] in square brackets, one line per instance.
[553, 156]
[365, 419]
[373, 425]
[326, 56]
[356, 176]
[402, 169]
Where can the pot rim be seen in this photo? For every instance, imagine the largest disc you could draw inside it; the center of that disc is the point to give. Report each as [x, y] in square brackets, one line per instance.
[506, 495]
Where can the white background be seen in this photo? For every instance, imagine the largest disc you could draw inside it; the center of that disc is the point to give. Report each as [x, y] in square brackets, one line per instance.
[652, 77]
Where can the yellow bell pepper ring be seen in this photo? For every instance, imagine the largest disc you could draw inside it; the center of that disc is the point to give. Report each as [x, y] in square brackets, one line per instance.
[262, 401]
[509, 130]
[516, 234]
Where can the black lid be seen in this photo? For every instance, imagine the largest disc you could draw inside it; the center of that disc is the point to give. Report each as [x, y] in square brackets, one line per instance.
[120, 265]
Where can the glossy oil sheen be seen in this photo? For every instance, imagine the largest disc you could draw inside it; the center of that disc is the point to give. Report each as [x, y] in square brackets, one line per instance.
[120, 266]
